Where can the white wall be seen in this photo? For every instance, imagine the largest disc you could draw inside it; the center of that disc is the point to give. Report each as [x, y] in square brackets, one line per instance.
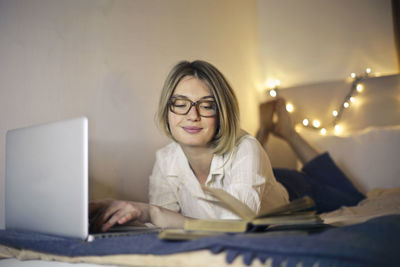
[322, 40]
[107, 60]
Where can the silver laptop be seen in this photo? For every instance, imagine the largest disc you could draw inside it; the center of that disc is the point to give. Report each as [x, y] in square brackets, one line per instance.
[47, 180]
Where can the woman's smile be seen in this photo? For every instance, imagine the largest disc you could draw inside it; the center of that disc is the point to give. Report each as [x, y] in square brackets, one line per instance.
[192, 129]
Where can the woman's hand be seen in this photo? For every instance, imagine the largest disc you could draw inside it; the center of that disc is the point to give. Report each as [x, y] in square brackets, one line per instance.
[105, 213]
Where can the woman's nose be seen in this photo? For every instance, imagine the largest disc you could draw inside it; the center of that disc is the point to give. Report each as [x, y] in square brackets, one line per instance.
[193, 113]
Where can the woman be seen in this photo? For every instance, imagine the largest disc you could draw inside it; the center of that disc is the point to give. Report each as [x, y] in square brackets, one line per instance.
[198, 110]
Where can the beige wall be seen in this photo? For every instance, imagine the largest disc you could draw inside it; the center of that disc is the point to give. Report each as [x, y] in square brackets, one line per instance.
[310, 41]
[107, 60]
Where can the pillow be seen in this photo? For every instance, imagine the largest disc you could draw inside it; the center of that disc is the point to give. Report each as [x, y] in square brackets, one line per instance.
[370, 158]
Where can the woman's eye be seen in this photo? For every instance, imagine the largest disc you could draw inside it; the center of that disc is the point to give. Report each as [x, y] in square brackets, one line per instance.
[207, 106]
[180, 103]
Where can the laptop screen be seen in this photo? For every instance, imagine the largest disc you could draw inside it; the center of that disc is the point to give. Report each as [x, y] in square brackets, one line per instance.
[47, 178]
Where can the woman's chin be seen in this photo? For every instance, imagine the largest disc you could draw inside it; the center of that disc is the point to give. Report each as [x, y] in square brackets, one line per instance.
[194, 143]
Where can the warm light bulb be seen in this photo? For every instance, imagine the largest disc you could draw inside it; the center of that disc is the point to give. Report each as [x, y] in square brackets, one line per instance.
[335, 113]
[352, 75]
[338, 128]
[305, 122]
[271, 84]
[352, 99]
[272, 93]
[360, 88]
[323, 131]
[289, 107]
[316, 123]
[346, 104]
[368, 70]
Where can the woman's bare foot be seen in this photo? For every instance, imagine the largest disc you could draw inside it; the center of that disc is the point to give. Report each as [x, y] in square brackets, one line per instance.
[266, 111]
[285, 130]
[283, 127]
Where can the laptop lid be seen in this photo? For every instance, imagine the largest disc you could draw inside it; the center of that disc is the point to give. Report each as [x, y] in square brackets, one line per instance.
[47, 178]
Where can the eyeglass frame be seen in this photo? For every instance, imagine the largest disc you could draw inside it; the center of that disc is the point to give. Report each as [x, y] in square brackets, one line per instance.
[193, 104]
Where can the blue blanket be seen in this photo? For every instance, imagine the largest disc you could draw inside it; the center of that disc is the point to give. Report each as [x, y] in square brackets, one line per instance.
[373, 243]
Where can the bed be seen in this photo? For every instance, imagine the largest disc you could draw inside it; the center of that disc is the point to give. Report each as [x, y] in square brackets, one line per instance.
[364, 235]
[368, 236]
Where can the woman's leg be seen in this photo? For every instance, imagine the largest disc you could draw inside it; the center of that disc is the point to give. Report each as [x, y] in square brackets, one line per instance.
[326, 197]
[284, 129]
[266, 111]
[320, 178]
[324, 169]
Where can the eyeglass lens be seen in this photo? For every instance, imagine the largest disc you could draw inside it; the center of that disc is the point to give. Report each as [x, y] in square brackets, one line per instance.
[181, 106]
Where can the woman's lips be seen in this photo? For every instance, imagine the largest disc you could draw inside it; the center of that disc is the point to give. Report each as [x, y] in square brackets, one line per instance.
[192, 129]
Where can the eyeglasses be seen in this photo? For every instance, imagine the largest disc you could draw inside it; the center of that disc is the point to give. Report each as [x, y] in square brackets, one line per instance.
[182, 106]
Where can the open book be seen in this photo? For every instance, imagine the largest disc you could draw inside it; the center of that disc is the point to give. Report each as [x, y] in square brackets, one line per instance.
[289, 216]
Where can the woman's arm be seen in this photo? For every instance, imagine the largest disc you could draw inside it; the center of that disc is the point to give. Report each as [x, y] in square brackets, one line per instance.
[163, 210]
[106, 213]
[166, 218]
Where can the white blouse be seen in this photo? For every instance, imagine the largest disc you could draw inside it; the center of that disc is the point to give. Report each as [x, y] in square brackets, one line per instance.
[247, 175]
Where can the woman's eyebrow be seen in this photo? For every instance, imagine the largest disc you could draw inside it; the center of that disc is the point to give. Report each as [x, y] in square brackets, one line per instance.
[208, 96]
[180, 96]
[185, 97]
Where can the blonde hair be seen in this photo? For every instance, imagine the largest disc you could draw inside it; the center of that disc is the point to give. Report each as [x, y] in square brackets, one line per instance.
[228, 125]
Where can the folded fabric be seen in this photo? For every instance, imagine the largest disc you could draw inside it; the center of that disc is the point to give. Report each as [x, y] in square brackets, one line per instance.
[373, 243]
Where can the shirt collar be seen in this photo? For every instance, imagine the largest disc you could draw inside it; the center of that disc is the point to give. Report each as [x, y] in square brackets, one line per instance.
[217, 165]
[178, 158]
[176, 155]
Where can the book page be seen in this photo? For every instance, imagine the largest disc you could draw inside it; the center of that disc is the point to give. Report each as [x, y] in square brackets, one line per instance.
[299, 204]
[231, 203]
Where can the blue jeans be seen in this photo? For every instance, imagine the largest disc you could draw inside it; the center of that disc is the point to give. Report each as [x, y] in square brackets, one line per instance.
[323, 181]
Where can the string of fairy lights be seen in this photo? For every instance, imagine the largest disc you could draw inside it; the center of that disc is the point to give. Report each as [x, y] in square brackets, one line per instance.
[355, 89]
